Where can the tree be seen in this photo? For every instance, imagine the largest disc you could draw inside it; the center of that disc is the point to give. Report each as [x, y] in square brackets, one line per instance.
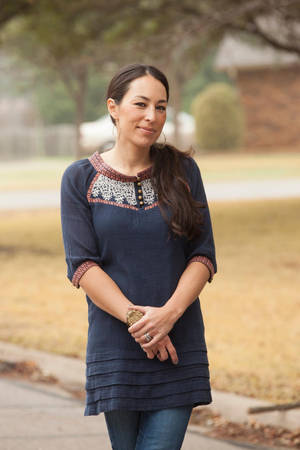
[275, 22]
[56, 105]
[68, 39]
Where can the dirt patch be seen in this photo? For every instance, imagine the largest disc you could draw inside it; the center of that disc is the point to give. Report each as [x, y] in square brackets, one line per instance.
[29, 370]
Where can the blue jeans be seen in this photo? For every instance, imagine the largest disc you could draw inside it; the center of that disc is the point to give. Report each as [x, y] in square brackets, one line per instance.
[162, 429]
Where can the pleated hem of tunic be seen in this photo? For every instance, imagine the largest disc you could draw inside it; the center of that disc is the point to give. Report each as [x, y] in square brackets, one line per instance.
[145, 384]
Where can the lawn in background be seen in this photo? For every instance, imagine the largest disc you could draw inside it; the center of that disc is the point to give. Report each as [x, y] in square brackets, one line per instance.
[250, 309]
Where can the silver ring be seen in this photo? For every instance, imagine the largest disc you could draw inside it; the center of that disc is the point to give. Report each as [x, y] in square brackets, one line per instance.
[148, 337]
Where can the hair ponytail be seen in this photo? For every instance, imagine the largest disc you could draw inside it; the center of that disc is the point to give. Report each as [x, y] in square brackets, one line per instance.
[172, 188]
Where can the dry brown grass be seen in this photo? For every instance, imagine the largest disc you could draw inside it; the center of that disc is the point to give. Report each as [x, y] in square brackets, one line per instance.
[249, 166]
[250, 309]
[39, 307]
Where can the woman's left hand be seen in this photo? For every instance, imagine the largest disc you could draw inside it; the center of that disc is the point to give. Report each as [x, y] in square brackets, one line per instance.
[163, 350]
[157, 322]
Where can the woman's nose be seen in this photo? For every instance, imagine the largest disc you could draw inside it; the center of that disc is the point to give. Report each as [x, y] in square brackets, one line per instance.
[150, 113]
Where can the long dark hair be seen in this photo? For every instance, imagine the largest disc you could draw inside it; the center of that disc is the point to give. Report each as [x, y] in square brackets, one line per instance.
[168, 177]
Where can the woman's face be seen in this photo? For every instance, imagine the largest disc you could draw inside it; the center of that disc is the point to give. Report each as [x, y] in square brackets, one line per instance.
[141, 114]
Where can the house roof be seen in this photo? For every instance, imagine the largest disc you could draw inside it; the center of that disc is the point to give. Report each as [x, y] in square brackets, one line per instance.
[235, 53]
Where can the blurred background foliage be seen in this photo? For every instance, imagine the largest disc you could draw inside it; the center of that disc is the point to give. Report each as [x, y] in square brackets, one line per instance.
[219, 118]
[55, 105]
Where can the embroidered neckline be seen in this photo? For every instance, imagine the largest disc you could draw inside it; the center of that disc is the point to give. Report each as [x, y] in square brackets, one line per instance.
[100, 165]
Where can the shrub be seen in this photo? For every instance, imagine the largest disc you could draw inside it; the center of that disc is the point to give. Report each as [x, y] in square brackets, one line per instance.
[219, 118]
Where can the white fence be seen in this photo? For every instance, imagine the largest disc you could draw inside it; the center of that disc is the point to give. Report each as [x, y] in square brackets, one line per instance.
[27, 142]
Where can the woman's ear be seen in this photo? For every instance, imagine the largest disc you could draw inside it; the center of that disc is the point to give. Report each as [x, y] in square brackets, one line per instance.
[112, 108]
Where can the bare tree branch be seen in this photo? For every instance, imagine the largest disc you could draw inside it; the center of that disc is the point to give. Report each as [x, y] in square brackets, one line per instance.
[254, 29]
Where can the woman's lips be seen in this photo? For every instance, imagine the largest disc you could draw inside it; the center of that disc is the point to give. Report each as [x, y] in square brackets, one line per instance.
[147, 130]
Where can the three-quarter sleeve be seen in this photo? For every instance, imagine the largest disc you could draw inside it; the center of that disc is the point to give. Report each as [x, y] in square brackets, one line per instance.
[201, 248]
[79, 237]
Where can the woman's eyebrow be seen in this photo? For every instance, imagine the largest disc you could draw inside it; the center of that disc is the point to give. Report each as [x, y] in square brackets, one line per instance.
[146, 98]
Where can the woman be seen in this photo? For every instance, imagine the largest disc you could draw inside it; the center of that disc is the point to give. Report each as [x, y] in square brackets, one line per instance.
[138, 240]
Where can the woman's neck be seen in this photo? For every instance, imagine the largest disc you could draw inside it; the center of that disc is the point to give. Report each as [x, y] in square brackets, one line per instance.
[127, 160]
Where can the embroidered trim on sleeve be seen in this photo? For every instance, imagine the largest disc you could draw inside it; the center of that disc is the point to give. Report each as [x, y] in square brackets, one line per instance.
[80, 271]
[207, 262]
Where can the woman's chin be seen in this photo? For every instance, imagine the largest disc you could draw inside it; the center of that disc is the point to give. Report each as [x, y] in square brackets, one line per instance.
[145, 142]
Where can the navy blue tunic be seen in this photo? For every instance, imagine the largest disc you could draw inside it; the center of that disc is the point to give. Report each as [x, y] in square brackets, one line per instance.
[113, 220]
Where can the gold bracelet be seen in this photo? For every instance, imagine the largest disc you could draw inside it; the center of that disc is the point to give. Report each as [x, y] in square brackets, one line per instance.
[132, 316]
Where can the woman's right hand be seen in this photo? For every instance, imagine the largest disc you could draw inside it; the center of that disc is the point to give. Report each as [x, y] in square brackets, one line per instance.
[162, 350]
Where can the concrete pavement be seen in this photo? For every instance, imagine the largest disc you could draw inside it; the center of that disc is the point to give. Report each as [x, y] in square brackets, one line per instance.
[39, 417]
[253, 189]
[35, 416]
[235, 190]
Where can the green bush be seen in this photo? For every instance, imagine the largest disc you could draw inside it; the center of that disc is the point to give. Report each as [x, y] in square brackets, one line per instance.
[219, 117]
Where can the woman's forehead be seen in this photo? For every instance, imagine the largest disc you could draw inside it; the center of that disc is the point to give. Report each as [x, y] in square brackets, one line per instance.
[147, 87]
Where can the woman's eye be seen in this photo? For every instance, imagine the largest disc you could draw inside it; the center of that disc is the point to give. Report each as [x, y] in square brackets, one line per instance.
[142, 105]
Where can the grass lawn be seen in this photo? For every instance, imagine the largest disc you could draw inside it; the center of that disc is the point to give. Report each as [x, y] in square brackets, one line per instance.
[45, 173]
[41, 173]
[249, 166]
[250, 309]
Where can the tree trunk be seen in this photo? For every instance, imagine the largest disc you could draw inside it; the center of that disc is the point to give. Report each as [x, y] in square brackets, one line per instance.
[176, 94]
[80, 109]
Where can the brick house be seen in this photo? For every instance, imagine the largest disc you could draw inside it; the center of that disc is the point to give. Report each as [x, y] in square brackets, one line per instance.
[269, 85]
